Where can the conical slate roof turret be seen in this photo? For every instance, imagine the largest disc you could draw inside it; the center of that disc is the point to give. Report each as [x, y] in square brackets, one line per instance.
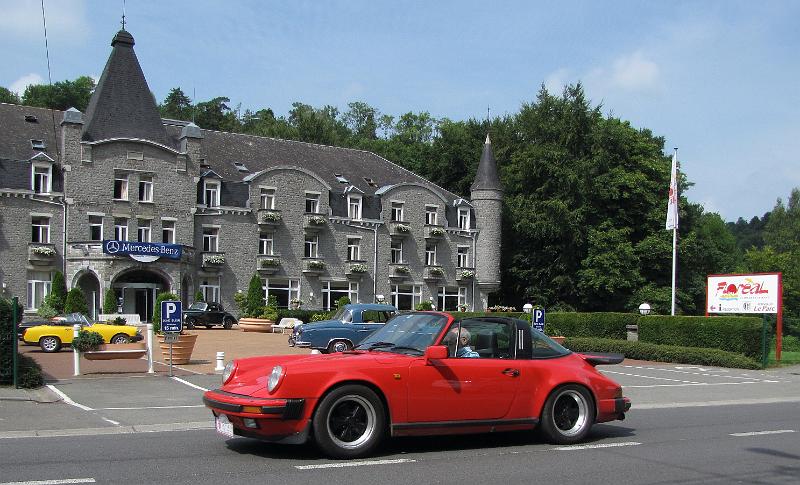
[122, 105]
[486, 177]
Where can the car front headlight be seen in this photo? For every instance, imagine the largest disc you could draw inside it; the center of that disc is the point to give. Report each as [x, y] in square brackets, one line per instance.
[230, 369]
[275, 378]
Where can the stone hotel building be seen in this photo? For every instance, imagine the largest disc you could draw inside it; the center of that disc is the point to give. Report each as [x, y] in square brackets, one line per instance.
[314, 222]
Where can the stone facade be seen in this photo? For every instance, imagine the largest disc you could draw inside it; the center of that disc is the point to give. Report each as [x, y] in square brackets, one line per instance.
[314, 222]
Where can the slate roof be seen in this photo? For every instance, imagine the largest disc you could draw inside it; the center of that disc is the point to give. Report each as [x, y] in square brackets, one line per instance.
[486, 176]
[16, 133]
[122, 104]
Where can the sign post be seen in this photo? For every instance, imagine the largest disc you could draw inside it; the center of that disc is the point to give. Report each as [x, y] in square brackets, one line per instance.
[537, 317]
[748, 293]
[171, 324]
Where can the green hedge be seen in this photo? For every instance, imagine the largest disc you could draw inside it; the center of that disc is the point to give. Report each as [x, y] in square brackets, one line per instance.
[599, 325]
[304, 315]
[662, 353]
[741, 335]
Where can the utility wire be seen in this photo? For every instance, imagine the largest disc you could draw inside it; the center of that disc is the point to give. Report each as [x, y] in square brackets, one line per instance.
[50, 82]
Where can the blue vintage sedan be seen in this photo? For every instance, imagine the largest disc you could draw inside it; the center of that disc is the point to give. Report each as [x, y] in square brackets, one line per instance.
[348, 327]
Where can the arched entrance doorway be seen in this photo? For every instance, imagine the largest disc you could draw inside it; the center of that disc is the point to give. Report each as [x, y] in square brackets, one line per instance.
[138, 289]
[90, 286]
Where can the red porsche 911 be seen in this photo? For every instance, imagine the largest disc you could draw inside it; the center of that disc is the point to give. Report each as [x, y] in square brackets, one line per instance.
[422, 373]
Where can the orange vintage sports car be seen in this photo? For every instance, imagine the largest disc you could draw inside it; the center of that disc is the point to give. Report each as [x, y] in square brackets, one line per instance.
[422, 373]
[52, 336]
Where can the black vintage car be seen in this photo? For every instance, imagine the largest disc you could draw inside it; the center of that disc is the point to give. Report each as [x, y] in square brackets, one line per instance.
[207, 315]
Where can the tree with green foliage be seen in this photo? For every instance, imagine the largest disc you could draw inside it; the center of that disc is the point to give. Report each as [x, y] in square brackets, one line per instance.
[254, 303]
[215, 114]
[61, 95]
[110, 301]
[177, 106]
[8, 96]
[76, 302]
[198, 296]
[58, 292]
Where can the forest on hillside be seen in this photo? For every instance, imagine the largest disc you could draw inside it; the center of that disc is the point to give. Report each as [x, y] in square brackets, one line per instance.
[585, 194]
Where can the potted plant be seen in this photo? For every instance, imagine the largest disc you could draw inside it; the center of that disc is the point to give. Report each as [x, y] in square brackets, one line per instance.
[295, 303]
[254, 316]
[87, 340]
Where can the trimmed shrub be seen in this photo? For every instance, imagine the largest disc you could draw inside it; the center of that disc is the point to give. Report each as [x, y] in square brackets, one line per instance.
[741, 335]
[7, 337]
[76, 302]
[198, 296]
[424, 306]
[87, 340]
[304, 315]
[30, 373]
[599, 325]
[662, 353]
[342, 302]
[163, 296]
[46, 309]
[254, 303]
[110, 301]
[520, 315]
[58, 292]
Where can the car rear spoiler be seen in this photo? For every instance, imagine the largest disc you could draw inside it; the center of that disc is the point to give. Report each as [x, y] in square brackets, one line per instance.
[596, 359]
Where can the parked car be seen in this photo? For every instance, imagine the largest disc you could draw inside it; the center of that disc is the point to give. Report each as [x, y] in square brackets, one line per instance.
[207, 315]
[403, 380]
[68, 319]
[51, 336]
[351, 324]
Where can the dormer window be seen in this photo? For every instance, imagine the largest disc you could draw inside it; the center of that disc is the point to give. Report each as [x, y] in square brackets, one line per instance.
[211, 193]
[463, 218]
[38, 144]
[312, 203]
[430, 215]
[354, 207]
[240, 167]
[41, 178]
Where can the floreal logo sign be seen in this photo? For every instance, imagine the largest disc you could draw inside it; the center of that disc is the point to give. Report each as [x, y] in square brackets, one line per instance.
[743, 293]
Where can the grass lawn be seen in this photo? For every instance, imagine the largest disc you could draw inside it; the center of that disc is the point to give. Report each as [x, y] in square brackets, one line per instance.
[787, 358]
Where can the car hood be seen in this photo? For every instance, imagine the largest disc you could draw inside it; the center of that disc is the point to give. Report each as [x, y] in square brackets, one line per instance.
[305, 375]
[322, 324]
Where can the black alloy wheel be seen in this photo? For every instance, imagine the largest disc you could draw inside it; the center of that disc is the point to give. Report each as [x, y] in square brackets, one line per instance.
[568, 415]
[350, 422]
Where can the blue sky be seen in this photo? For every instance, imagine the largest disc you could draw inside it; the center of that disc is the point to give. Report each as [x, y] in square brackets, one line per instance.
[717, 79]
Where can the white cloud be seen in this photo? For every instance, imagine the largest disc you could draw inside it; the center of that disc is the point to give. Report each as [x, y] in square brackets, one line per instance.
[556, 81]
[23, 18]
[634, 72]
[20, 84]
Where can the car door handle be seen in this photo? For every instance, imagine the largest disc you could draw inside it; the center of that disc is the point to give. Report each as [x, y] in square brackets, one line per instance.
[511, 372]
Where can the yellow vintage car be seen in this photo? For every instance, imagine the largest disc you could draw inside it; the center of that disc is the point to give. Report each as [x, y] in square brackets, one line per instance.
[52, 336]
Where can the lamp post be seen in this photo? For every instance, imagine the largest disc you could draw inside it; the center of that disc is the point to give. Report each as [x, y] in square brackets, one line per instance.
[645, 309]
[528, 308]
[379, 298]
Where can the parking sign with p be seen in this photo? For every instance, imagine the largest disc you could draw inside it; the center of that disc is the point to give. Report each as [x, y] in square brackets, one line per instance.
[171, 316]
[538, 319]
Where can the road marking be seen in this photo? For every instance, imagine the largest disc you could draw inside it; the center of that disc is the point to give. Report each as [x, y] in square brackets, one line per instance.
[599, 445]
[142, 428]
[115, 423]
[649, 377]
[694, 384]
[354, 463]
[739, 402]
[51, 482]
[181, 368]
[760, 433]
[678, 370]
[67, 400]
[189, 384]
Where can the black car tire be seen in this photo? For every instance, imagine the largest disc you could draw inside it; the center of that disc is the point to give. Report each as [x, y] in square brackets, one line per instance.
[350, 422]
[339, 346]
[50, 344]
[568, 415]
[120, 338]
[189, 323]
[227, 323]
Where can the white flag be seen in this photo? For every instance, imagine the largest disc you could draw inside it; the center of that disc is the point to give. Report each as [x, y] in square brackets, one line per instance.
[672, 206]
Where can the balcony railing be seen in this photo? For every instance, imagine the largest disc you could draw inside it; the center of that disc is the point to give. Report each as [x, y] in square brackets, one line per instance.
[268, 263]
[213, 260]
[41, 253]
[465, 274]
[314, 266]
[399, 271]
[433, 273]
[314, 222]
[434, 232]
[269, 217]
[399, 229]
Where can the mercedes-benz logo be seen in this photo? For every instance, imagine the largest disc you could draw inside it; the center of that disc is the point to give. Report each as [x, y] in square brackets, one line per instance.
[112, 247]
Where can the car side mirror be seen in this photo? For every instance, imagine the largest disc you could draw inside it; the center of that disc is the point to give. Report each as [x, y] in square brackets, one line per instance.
[435, 352]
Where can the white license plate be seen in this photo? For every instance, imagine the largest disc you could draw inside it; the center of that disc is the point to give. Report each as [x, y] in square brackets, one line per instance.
[224, 426]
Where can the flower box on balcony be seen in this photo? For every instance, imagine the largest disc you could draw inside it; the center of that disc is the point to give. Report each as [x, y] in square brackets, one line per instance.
[41, 253]
[314, 266]
[433, 273]
[314, 222]
[434, 232]
[400, 229]
[465, 274]
[268, 264]
[269, 217]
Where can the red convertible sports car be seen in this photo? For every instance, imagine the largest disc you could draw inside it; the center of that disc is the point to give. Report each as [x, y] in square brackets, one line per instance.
[422, 373]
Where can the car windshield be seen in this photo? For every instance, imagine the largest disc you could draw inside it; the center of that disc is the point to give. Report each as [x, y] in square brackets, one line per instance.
[343, 314]
[408, 331]
[79, 318]
[198, 305]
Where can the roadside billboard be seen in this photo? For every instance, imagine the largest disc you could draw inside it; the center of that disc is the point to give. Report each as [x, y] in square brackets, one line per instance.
[745, 293]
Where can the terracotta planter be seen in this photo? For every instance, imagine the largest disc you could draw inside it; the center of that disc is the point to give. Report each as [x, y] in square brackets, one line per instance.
[181, 350]
[117, 351]
[255, 325]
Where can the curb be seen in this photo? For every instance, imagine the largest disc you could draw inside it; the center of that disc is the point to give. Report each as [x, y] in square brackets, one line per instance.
[41, 395]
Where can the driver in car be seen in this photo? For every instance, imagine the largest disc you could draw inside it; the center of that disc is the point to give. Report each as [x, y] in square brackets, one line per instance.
[457, 341]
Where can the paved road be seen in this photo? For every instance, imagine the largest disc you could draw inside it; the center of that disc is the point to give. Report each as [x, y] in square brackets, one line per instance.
[708, 444]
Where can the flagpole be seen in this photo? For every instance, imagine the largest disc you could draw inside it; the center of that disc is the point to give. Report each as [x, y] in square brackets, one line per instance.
[675, 235]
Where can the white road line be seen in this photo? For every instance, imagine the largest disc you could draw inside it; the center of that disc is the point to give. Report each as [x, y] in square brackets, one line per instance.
[599, 445]
[52, 482]
[760, 433]
[115, 423]
[739, 402]
[694, 384]
[181, 368]
[649, 377]
[67, 400]
[354, 463]
[676, 371]
[152, 407]
[189, 384]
